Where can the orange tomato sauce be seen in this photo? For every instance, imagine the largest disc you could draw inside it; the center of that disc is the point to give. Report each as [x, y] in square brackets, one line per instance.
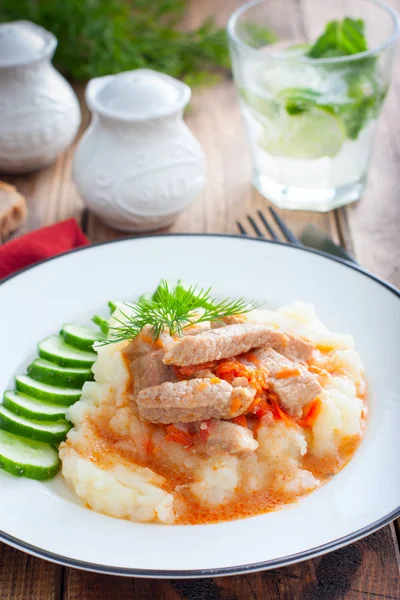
[107, 448]
[190, 510]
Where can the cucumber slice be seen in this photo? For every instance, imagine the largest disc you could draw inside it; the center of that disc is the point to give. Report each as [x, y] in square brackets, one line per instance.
[80, 337]
[48, 372]
[42, 431]
[27, 458]
[45, 392]
[102, 323]
[56, 350]
[112, 305]
[31, 408]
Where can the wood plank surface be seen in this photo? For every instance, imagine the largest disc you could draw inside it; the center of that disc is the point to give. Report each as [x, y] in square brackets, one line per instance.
[366, 570]
[24, 577]
[373, 223]
[351, 573]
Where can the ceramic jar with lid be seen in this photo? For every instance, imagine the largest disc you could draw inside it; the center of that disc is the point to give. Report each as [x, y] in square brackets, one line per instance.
[138, 165]
[39, 112]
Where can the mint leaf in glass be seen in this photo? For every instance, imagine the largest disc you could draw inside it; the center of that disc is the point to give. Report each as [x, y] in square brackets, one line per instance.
[298, 100]
[340, 38]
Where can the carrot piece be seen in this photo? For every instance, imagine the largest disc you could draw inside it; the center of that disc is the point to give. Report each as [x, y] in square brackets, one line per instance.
[288, 372]
[178, 373]
[149, 446]
[215, 380]
[254, 404]
[241, 420]
[235, 405]
[174, 434]
[310, 410]
[310, 413]
[146, 338]
[279, 413]
[258, 380]
[262, 409]
[252, 358]
[324, 348]
[230, 369]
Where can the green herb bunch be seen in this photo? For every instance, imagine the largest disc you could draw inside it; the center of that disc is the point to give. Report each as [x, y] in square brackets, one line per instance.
[172, 308]
[100, 37]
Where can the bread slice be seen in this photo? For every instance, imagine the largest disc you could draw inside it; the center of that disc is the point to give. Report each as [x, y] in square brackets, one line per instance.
[13, 209]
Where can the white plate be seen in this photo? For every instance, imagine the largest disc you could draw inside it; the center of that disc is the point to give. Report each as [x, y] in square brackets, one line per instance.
[46, 520]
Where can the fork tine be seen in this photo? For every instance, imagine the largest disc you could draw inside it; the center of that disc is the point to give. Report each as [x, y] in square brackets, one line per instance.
[289, 235]
[255, 226]
[241, 228]
[267, 226]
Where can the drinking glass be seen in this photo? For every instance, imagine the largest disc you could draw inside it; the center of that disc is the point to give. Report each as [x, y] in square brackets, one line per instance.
[310, 121]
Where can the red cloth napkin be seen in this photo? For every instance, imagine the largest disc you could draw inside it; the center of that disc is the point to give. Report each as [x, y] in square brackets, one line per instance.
[40, 244]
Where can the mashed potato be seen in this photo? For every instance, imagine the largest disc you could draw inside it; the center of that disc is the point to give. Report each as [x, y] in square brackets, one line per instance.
[107, 479]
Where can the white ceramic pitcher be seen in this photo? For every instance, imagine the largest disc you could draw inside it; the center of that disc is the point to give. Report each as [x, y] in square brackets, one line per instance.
[39, 112]
[138, 165]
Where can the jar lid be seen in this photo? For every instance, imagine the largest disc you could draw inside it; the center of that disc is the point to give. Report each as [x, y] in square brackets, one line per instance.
[23, 42]
[137, 95]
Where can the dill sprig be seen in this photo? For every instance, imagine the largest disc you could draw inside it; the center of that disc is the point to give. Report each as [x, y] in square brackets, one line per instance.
[102, 37]
[171, 309]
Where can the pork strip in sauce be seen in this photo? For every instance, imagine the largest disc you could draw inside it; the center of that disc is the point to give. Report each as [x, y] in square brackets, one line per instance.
[193, 400]
[295, 348]
[294, 385]
[149, 370]
[143, 343]
[223, 342]
[229, 437]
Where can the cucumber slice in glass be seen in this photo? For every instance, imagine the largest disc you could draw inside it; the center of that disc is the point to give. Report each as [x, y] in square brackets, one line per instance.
[310, 135]
[27, 458]
[42, 431]
[31, 408]
[45, 392]
[52, 374]
[56, 350]
[80, 337]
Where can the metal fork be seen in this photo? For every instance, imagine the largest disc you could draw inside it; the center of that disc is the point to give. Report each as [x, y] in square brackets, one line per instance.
[287, 234]
[312, 236]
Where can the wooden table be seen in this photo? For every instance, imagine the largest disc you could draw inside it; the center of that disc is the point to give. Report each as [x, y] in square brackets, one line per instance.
[366, 570]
